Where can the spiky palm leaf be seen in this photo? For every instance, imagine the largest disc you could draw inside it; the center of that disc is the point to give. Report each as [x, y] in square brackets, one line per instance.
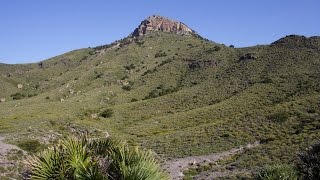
[84, 158]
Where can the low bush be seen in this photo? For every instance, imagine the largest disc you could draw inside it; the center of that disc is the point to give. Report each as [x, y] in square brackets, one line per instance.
[278, 172]
[106, 113]
[279, 116]
[134, 100]
[161, 91]
[17, 96]
[32, 146]
[129, 67]
[127, 87]
[160, 54]
[102, 158]
[309, 164]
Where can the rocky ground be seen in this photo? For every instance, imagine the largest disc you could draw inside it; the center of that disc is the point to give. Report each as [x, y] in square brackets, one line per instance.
[10, 163]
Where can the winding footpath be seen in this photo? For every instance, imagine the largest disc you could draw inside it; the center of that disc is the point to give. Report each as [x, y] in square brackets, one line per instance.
[175, 167]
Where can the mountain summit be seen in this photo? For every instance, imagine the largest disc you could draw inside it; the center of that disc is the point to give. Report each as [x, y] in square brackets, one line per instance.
[160, 23]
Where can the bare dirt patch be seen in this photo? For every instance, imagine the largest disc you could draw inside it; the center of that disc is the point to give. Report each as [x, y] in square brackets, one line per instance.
[9, 159]
[175, 167]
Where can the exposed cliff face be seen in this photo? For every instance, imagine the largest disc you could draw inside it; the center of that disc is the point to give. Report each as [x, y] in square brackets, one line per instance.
[159, 23]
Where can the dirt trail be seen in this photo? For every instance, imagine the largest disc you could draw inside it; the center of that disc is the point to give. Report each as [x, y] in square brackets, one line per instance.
[175, 167]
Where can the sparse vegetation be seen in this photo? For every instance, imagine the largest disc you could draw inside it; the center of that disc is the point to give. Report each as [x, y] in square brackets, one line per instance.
[160, 91]
[106, 113]
[215, 105]
[160, 54]
[278, 172]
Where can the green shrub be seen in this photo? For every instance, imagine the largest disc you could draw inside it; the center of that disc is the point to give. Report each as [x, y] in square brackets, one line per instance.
[84, 158]
[17, 96]
[278, 172]
[98, 75]
[129, 67]
[165, 62]
[311, 111]
[125, 77]
[127, 87]
[160, 54]
[309, 164]
[279, 116]
[106, 113]
[53, 123]
[160, 91]
[134, 100]
[32, 146]
[266, 80]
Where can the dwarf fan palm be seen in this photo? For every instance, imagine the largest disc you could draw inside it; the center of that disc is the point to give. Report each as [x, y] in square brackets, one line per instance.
[84, 158]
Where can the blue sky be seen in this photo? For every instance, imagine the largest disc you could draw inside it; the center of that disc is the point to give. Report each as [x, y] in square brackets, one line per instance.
[34, 30]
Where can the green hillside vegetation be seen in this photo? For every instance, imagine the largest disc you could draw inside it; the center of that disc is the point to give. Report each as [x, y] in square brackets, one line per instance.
[177, 95]
[85, 158]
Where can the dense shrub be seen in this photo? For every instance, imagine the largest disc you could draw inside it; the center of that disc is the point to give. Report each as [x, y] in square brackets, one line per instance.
[106, 113]
[85, 158]
[98, 75]
[129, 67]
[134, 100]
[160, 54]
[248, 56]
[150, 71]
[139, 43]
[165, 62]
[161, 91]
[31, 95]
[127, 87]
[279, 116]
[32, 146]
[278, 172]
[309, 164]
[17, 96]
[194, 65]
[214, 49]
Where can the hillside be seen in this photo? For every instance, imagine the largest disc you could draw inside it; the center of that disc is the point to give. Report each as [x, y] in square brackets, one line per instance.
[175, 93]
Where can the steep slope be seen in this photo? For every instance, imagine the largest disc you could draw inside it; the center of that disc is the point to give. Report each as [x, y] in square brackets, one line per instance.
[178, 94]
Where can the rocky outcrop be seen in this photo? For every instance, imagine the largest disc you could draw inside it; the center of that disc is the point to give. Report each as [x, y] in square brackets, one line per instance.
[159, 23]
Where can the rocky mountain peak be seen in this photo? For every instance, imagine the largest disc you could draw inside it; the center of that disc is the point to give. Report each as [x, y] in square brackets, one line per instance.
[160, 23]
